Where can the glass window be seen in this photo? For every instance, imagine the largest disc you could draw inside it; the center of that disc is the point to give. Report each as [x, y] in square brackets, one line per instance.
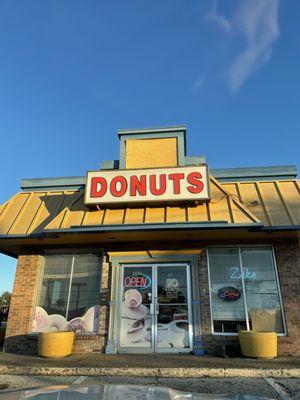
[225, 280]
[172, 285]
[244, 290]
[261, 288]
[68, 296]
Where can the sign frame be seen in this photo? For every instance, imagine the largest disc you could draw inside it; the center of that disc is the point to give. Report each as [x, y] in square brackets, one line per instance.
[136, 202]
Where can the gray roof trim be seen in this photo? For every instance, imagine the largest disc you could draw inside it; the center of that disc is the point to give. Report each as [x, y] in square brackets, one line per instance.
[61, 183]
[223, 175]
[255, 173]
[176, 128]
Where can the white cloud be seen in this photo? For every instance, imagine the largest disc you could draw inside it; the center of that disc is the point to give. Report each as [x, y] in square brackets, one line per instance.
[217, 19]
[198, 84]
[257, 22]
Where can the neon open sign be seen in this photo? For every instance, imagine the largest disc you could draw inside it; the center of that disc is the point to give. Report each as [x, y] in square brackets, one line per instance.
[141, 281]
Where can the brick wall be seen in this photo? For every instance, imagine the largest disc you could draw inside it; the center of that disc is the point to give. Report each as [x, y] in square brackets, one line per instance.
[22, 305]
[288, 264]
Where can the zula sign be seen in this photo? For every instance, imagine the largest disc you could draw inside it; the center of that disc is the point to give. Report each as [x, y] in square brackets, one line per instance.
[147, 185]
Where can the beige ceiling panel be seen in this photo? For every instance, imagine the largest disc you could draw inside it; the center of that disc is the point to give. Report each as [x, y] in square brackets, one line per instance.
[134, 216]
[2, 207]
[114, 216]
[291, 197]
[75, 213]
[176, 214]
[93, 217]
[11, 211]
[239, 215]
[27, 214]
[252, 201]
[198, 213]
[70, 197]
[232, 188]
[155, 215]
[273, 204]
[218, 206]
[48, 210]
[219, 210]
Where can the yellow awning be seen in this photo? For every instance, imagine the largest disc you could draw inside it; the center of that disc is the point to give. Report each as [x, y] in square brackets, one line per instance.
[275, 203]
[33, 212]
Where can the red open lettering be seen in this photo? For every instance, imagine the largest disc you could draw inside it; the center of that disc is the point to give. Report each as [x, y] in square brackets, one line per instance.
[135, 281]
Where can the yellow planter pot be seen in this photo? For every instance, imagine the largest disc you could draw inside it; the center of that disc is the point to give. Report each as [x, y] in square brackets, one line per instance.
[258, 344]
[55, 344]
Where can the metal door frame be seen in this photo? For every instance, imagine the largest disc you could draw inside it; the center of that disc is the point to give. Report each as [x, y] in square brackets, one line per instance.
[154, 345]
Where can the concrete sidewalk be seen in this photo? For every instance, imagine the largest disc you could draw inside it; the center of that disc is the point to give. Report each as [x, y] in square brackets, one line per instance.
[155, 365]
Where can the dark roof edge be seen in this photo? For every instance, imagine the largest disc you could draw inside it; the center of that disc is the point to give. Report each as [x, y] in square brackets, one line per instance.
[135, 227]
[155, 226]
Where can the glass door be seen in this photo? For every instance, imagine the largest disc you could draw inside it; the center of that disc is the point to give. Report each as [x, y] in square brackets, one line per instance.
[154, 308]
[136, 309]
[172, 308]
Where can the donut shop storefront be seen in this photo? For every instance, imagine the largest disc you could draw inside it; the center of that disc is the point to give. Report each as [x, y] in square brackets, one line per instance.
[154, 252]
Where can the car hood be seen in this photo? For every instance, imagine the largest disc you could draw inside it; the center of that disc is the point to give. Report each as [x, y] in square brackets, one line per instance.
[115, 392]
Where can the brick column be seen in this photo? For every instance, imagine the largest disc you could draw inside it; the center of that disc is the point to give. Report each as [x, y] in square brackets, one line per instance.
[205, 303]
[288, 264]
[22, 304]
[105, 285]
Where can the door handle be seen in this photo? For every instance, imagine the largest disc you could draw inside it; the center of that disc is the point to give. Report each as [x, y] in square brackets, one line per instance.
[151, 308]
[154, 308]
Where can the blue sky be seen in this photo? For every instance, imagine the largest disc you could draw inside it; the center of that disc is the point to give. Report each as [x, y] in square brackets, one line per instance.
[73, 72]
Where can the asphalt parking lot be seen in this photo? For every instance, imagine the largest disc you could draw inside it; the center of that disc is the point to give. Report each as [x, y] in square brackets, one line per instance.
[272, 388]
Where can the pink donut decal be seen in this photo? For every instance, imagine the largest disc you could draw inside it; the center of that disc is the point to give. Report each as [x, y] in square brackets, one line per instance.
[76, 325]
[148, 329]
[40, 320]
[56, 322]
[92, 319]
[133, 298]
[134, 313]
[136, 331]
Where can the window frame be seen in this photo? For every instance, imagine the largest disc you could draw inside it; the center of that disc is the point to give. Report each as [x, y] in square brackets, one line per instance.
[238, 247]
[72, 252]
